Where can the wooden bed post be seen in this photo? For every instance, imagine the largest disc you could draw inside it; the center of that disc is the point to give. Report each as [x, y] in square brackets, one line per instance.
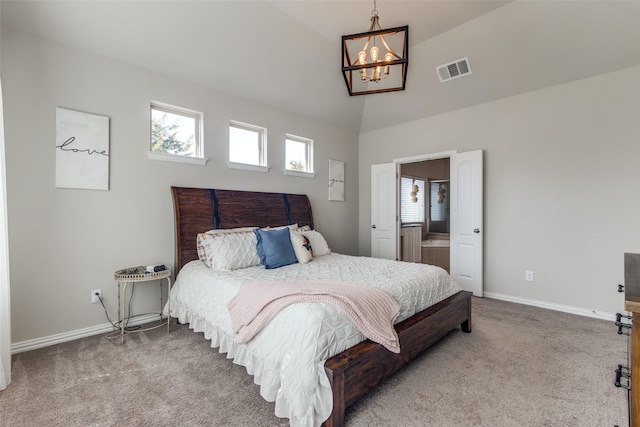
[466, 325]
[336, 379]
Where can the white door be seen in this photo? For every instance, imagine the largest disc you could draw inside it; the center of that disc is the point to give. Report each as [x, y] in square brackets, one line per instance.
[383, 211]
[466, 221]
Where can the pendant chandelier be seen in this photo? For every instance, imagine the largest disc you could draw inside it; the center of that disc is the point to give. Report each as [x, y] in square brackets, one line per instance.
[376, 61]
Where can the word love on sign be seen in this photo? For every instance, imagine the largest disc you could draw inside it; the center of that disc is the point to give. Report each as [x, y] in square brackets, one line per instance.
[82, 150]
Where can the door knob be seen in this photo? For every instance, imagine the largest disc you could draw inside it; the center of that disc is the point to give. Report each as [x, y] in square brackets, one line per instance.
[476, 230]
[373, 226]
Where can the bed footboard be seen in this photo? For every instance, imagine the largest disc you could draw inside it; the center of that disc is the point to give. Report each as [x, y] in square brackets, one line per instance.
[359, 369]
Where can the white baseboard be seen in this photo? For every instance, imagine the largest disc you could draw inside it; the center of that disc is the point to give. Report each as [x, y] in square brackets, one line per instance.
[552, 306]
[33, 344]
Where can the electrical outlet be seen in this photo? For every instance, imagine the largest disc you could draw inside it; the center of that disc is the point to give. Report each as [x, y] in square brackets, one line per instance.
[528, 276]
[96, 294]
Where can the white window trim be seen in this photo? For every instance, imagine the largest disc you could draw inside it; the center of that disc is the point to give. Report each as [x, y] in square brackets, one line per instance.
[152, 155]
[309, 143]
[264, 166]
[198, 116]
[248, 167]
[299, 173]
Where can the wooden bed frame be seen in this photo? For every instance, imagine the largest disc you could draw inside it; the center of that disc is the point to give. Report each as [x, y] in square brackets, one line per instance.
[357, 370]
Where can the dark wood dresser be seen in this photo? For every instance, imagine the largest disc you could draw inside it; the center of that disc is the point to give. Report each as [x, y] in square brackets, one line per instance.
[632, 304]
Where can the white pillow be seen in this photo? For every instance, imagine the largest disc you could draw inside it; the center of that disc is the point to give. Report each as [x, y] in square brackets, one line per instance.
[228, 250]
[302, 247]
[230, 230]
[318, 243]
[202, 254]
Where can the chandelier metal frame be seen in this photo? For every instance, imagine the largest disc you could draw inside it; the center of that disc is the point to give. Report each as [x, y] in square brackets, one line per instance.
[369, 73]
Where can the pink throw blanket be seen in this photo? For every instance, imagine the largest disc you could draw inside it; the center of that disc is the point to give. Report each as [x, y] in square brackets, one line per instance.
[371, 310]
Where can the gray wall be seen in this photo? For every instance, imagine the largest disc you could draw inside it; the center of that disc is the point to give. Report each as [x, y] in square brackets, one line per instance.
[561, 185]
[66, 242]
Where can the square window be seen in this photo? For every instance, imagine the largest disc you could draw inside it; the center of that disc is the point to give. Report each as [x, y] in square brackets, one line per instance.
[247, 144]
[176, 131]
[298, 154]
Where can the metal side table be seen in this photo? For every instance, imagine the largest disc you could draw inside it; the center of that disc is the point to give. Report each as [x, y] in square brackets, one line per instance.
[126, 276]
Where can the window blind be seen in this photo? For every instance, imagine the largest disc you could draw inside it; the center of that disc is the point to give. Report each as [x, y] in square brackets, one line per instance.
[411, 211]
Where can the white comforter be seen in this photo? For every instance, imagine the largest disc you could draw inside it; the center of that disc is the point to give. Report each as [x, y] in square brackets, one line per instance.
[287, 357]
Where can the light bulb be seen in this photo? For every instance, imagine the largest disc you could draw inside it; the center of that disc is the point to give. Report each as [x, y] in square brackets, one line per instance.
[362, 59]
[374, 54]
[387, 58]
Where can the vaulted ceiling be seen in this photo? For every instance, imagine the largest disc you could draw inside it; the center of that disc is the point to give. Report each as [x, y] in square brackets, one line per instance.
[287, 53]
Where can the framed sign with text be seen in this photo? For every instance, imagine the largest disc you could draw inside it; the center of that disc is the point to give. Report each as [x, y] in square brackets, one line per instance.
[82, 150]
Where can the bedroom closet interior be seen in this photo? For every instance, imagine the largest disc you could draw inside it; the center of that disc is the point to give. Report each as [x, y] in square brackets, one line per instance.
[424, 212]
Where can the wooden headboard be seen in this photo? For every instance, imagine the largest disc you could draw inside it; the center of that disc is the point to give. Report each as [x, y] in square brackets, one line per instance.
[197, 210]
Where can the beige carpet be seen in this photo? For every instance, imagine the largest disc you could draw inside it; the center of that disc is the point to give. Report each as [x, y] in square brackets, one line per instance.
[521, 366]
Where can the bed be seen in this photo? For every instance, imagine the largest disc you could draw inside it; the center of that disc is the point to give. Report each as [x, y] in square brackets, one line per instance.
[349, 372]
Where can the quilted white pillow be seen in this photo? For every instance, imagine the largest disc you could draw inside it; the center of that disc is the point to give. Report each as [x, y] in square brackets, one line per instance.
[318, 243]
[230, 230]
[228, 251]
[202, 253]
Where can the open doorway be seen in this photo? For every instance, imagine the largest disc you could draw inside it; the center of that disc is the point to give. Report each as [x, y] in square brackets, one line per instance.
[465, 212]
[423, 200]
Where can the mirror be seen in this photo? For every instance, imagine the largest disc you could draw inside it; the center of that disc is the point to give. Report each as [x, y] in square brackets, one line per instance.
[438, 206]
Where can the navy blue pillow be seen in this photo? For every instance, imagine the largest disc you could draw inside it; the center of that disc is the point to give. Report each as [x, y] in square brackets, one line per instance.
[274, 248]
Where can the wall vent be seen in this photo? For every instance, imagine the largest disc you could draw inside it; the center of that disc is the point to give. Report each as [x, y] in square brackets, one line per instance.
[453, 70]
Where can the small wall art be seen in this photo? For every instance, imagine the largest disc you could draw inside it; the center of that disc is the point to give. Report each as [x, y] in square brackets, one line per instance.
[82, 150]
[336, 180]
